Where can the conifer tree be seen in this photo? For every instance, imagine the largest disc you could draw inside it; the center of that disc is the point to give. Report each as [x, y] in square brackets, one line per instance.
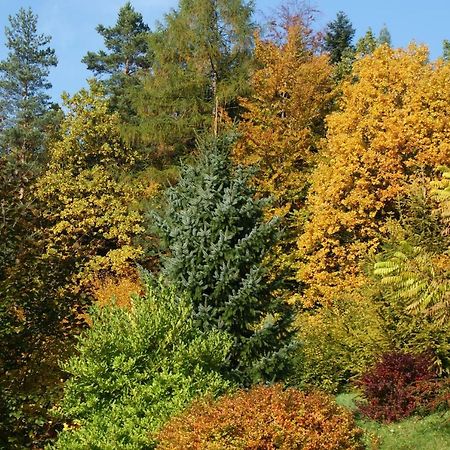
[338, 37]
[217, 240]
[446, 50]
[126, 53]
[201, 58]
[367, 44]
[384, 37]
[24, 103]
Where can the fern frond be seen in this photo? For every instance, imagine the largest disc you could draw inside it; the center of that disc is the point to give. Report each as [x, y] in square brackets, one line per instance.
[411, 274]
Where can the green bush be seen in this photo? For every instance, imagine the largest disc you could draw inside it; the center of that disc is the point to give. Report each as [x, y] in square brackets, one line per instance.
[337, 343]
[135, 367]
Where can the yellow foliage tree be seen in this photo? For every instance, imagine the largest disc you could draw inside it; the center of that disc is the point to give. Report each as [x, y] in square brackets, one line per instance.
[284, 122]
[392, 128]
[417, 270]
[89, 193]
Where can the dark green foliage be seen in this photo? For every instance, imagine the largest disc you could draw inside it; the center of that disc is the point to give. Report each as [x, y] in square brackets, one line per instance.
[135, 367]
[217, 239]
[446, 50]
[24, 104]
[127, 53]
[201, 54]
[15, 207]
[127, 45]
[384, 37]
[338, 37]
[15, 202]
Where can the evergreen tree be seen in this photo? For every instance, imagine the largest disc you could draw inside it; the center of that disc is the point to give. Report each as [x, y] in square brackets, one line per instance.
[385, 36]
[338, 37]
[127, 53]
[25, 105]
[217, 238]
[201, 58]
[367, 44]
[446, 50]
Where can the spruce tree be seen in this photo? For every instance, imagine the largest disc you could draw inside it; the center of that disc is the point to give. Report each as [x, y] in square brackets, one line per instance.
[24, 102]
[126, 53]
[446, 50]
[200, 68]
[384, 36]
[217, 242]
[338, 37]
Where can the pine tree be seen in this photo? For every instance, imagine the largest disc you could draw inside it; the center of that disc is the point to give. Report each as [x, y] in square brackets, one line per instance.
[25, 105]
[217, 240]
[201, 58]
[127, 53]
[338, 37]
[367, 44]
[446, 50]
[384, 36]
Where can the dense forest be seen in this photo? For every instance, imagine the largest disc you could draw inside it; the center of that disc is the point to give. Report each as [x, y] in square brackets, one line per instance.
[236, 237]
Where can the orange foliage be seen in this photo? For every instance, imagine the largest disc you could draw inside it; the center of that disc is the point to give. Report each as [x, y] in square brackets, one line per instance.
[284, 118]
[392, 128]
[263, 418]
[117, 290]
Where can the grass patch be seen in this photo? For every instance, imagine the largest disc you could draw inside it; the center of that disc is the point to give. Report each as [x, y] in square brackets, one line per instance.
[431, 432]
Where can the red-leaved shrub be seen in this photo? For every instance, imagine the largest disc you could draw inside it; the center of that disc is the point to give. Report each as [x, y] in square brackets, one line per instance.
[399, 385]
[263, 418]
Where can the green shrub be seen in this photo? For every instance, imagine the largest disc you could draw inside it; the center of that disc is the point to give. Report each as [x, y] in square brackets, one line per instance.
[337, 343]
[135, 367]
[263, 418]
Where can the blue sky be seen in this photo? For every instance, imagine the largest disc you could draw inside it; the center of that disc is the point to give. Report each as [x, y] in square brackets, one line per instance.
[72, 24]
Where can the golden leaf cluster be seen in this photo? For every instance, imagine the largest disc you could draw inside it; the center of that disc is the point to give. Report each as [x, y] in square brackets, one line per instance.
[90, 207]
[283, 123]
[391, 129]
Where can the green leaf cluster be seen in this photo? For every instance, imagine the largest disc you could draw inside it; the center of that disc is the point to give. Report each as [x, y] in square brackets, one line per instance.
[136, 367]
